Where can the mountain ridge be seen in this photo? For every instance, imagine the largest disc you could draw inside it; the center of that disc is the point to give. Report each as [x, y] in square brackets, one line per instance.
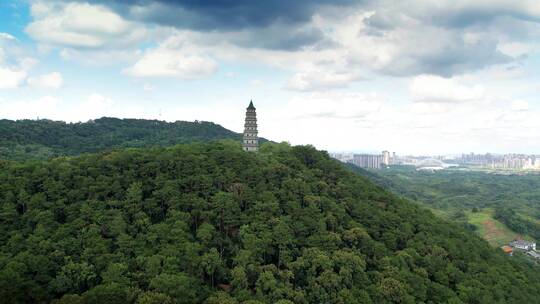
[43, 139]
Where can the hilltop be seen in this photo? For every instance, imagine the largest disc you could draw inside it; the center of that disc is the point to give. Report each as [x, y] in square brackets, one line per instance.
[43, 139]
[209, 223]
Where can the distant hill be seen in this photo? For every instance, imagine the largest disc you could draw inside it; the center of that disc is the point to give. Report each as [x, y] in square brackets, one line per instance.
[42, 139]
[209, 223]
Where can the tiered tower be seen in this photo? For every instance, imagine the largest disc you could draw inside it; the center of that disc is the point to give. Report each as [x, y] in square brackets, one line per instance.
[251, 139]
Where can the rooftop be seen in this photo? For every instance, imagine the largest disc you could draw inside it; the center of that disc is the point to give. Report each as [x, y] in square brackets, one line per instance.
[507, 249]
[521, 243]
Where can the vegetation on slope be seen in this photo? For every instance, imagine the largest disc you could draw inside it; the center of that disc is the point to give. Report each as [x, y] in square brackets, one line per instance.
[209, 223]
[42, 139]
[490, 229]
[463, 196]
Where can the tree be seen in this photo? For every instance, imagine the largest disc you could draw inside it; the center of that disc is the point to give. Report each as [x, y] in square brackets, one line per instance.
[111, 293]
[180, 287]
[150, 297]
[210, 264]
[75, 278]
[220, 297]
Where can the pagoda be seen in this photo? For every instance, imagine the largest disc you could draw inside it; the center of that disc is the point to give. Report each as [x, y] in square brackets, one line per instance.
[250, 142]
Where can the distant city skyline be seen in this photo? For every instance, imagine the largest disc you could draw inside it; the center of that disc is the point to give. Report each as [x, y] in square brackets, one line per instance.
[436, 154]
[439, 162]
[419, 77]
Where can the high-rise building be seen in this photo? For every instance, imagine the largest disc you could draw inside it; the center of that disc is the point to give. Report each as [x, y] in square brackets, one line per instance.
[372, 161]
[251, 140]
[386, 157]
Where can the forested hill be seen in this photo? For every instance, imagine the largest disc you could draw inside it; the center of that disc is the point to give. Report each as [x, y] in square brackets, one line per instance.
[42, 139]
[209, 223]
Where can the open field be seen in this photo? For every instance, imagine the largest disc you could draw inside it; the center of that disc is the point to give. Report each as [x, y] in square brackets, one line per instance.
[490, 229]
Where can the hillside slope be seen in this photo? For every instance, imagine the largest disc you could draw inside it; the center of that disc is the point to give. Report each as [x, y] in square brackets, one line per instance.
[471, 197]
[209, 223]
[42, 139]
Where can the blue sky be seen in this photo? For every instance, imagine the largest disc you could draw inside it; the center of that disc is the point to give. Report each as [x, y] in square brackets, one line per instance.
[407, 76]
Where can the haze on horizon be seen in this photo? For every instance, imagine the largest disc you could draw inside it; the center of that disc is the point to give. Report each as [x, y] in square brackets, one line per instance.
[415, 77]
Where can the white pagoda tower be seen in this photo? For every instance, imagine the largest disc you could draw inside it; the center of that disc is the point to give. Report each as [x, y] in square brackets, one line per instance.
[251, 139]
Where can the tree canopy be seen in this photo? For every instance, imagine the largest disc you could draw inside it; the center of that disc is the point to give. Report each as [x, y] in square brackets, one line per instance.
[209, 223]
[43, 139]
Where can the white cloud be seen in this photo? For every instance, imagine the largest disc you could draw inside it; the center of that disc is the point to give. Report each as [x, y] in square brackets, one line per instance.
[429, 108]
[256, 82]
[44, 107]
[7, 36]
[515, 49]
[148, 87]
[172, 63]
[53, 80]
[334, 105]
[173, 58]
[431, 88]
[14, 63]
[11, 78]
[93, 106]
[320, 80]
[101, 58]
[427, 41]
[520, 105]
[81, 25]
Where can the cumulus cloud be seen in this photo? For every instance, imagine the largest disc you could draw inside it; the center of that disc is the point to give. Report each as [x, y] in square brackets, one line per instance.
[52, 80]
[451, 37]
[401, 45]
[102, 57]
[172, 63]
[81, 25]
[458, 64]
[14, 65]
[463, 13]
[431, 88]
[11, 78]
[320, 80]
[14, 75]
[405, 38]
[175, 57]
[223, 15]
[397, 38]
[7, 36]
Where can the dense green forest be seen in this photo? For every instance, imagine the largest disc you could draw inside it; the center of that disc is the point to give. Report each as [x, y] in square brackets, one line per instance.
[209, 223]
[42, 139]
[513, 199]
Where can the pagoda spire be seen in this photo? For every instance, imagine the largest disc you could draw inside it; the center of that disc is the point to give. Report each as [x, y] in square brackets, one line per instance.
[250, 140]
